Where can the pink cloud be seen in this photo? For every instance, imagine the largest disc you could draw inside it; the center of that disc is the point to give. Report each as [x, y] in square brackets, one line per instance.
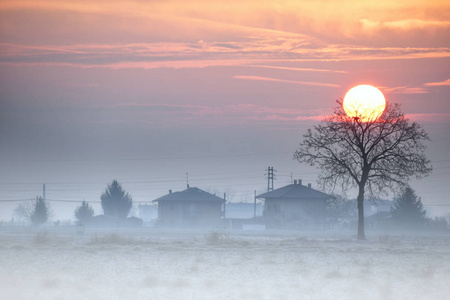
[429, 117]
[260, 78]
[404, 90]
[298, 69]
[446, 82]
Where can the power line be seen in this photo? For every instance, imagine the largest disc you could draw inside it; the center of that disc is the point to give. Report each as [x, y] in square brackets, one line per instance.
[148, 158]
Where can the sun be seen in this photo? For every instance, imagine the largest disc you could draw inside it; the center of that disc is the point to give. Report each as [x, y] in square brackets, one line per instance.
[364, 102]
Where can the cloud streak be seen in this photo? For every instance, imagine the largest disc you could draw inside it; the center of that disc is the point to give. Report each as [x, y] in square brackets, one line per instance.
[430, 117]
[407, 24]
[260, 78]
[404, 90]
[298, 69]
[441, 83]
[170, 115]
[342, 21]
[258, 54]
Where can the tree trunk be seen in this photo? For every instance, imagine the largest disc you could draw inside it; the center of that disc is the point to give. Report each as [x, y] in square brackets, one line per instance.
[361, 233]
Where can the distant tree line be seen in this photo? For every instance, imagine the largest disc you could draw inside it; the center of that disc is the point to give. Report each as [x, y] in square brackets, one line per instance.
[407, 213]
[38, 213]
[115, 201]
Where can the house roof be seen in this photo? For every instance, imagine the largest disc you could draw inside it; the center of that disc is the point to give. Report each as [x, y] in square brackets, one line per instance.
[192, 194]
[295, 191]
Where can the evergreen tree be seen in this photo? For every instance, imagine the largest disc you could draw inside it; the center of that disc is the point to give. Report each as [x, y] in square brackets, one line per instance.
[408, 211]
[115, 201]
[84, 212]
[40, 212]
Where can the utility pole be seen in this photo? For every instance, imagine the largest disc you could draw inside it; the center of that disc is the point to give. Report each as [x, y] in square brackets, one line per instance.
[270, 178]
[43, 191]
[254, 207]
[187, 179]
[224, 205]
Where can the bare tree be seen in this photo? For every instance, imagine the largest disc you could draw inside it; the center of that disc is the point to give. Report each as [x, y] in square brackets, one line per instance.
[116, 201]
[22, 212]
[372, 156]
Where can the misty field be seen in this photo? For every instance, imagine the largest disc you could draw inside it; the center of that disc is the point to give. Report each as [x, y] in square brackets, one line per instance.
[216, 265]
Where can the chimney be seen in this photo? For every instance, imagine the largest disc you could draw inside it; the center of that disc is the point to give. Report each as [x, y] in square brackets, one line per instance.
[295, 181]
[309, 185]
[170, 191]
[300, 181]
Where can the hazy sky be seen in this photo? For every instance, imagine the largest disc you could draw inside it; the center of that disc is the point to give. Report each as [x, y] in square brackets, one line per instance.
[146, 91]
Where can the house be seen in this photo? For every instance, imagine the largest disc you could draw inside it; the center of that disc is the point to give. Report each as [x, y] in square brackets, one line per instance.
[295, 206]
[191, 208]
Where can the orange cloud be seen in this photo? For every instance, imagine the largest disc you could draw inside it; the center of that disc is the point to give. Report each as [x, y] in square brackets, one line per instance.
[344, 20]
[408, 24]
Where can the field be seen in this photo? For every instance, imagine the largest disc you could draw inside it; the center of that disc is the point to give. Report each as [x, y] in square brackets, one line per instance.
[154, 264]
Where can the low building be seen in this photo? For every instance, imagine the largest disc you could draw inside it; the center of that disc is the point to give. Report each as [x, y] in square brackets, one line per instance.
[148, 213]
[191, 208]
[105, 221]
[243, 215]
[295, 206]
[243, 210]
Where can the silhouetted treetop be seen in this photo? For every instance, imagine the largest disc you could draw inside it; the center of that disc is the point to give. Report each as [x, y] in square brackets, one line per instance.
[408, 210]
[115, 201]
[40, 212]
[84, 212]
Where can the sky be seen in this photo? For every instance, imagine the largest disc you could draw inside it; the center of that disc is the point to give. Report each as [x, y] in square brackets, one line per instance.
[158, 94]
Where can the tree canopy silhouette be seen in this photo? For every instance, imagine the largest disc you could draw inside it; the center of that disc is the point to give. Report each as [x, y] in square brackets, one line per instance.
[372, 156]
[115, 201]
[408, 211]
[40, 212]
[84, 212]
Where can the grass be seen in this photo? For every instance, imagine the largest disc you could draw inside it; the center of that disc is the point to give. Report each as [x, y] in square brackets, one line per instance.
[41, 237]
[113, 238]
[216, 237]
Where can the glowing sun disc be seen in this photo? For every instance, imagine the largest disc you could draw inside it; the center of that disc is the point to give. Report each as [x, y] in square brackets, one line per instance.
[364, 102]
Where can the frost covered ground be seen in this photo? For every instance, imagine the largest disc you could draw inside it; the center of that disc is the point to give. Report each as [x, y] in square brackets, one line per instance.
[154, 264]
